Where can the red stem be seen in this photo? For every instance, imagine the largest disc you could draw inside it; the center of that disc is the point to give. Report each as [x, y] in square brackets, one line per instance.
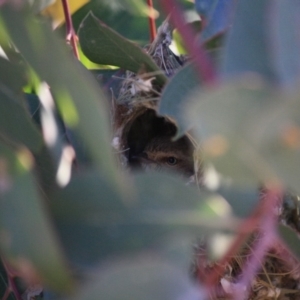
[11, 284]
[267, 230]
[71, 36]
[152, 25]
[265, 208]
[203, 65]
[246, 228]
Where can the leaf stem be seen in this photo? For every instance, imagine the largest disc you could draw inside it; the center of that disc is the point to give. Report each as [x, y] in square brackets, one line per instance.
[203, 65]
[71, 35]
[151, 18]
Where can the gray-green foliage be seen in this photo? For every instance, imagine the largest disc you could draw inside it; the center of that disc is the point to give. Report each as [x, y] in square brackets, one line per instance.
[247, 127]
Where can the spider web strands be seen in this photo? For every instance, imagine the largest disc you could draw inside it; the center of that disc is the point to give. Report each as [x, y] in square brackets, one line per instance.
[204, 67]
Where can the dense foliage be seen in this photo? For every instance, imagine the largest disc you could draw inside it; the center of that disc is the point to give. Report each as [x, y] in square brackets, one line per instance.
[71, 220]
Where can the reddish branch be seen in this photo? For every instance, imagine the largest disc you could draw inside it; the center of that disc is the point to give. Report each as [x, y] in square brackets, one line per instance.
[263, 244]
[264, 219]
[152, 25]
[71, 35]
[202, 62]
[248, 226]
[11, 286]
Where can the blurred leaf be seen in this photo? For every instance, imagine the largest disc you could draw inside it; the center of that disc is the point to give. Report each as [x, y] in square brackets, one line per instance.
[38, 5]
[54, 9]
[285, 41]
[176, 93]
[139, 7]
[248, 45]
[15, 123]
[109, 225]
[241, 200]
[104, 46]
[174, 96]
[14, 76]
[145, 278]
[279, 143]
[80, 101]
[21, 210]
[230, 122]
[136, 7]
[291, 238]
[217, 15]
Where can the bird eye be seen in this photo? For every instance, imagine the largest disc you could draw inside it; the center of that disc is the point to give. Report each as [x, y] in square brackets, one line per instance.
[171, 160]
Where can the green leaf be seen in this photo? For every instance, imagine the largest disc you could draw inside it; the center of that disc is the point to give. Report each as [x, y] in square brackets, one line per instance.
[291, 238]
[241, 200]
[285, 41]
[28, 238]
[103, 45]
[144, 278]
[248, 44]
[174, 96]
[14, 76]
[217, 15]
[79, 98]
[110, 225]
[229, 122]
[15, 123]
[279, 144]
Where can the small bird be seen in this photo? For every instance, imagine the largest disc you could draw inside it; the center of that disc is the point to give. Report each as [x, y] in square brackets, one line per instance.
[161, 153]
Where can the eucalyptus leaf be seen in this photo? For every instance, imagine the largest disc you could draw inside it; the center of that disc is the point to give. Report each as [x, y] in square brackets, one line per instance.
[279, 145]
[229, 121]
[175, 94]
[102, 224]
[242, 200]
[80, 101]
[38, 5]
[217, 15]
[29, 238]
[14, 76]
[140, 278]
[285, 41]
[248, 46]
[102, 45]
[15, 123]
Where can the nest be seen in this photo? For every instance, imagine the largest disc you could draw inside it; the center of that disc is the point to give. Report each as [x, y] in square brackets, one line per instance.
[136, 121]
[279, 274]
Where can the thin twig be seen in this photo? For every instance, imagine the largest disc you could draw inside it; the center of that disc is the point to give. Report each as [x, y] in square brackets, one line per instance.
[203, 64]
[151, 18]
[246, 228]
[71, 35]
[267, 228]
[11, 284]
